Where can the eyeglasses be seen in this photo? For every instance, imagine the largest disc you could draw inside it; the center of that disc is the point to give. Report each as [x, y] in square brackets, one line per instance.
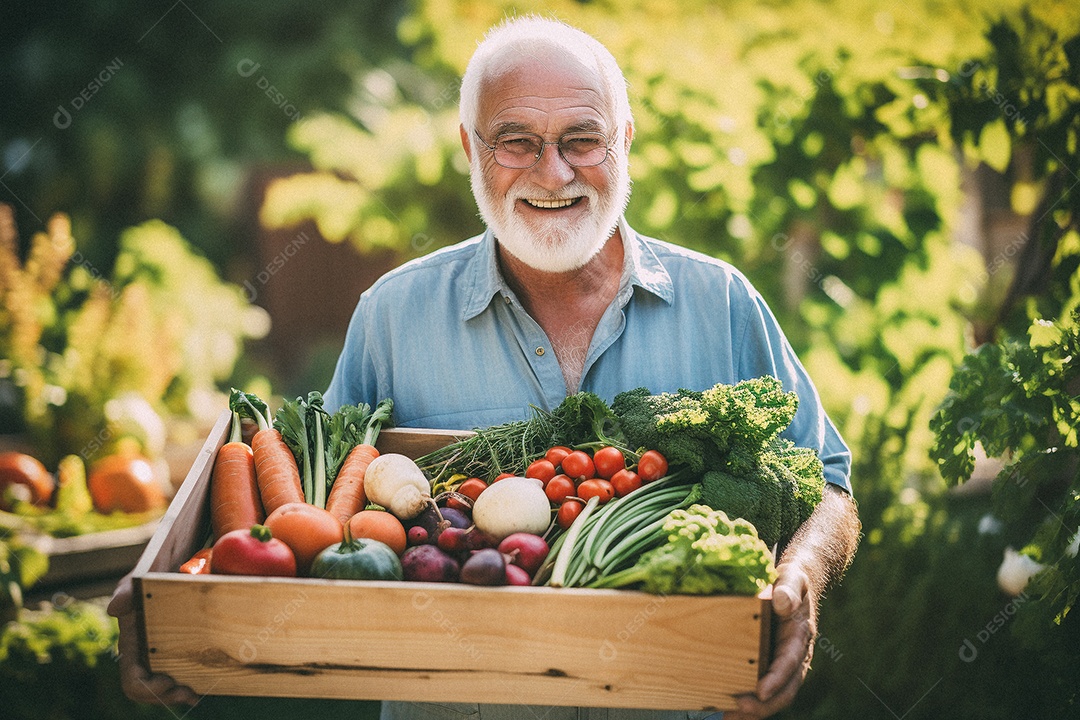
[519, 151]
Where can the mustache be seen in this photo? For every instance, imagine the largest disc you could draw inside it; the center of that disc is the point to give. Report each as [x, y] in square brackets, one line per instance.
[575, 189]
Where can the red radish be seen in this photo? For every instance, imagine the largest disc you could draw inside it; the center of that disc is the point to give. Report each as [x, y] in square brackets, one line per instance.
[526, 550]
[484, 567]
[252, 552]
[417, 535]
[517, 576]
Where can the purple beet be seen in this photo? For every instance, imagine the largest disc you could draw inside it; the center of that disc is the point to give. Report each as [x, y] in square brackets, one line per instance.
[427, 563]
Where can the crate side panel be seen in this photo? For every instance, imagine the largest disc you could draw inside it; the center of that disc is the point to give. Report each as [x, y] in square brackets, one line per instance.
[454, 643]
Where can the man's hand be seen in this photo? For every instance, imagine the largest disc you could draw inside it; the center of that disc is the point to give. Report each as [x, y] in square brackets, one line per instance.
[819, 553]
[795, 609]
[138, 682]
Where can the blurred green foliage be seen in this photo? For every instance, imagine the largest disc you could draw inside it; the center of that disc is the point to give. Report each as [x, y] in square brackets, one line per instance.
[117, 113]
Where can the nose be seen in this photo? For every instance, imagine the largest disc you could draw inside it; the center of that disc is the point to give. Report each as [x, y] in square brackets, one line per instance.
[551, 172]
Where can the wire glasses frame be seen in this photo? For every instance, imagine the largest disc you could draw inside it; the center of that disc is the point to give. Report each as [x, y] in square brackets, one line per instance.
[519, 151]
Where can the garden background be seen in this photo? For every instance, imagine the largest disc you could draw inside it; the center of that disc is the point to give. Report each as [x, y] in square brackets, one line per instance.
[899, 181]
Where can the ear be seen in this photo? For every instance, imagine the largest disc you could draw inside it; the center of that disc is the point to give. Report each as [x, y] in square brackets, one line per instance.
[465, 142]
[629, 137]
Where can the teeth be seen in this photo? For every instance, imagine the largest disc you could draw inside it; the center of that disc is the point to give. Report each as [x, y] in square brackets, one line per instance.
[550, 204]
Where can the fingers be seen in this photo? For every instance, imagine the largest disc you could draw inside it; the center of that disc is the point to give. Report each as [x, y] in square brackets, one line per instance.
[121, 602]
[138, 683]
[790, 589]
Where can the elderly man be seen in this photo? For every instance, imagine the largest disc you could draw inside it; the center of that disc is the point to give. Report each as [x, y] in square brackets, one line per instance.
[561, 295]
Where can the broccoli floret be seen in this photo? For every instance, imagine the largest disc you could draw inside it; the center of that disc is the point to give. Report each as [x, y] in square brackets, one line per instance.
[706, 553]
[730, 435]
[757, 498]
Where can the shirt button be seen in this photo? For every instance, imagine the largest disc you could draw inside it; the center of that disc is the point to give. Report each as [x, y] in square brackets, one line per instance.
[540, 351]
[506, 299]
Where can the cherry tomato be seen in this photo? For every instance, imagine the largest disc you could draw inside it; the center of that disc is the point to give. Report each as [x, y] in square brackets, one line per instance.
[568, 512]
[543, 470]
[579, 465]
[559, 488]
[608, 461]
[652, 466]
[600, 488]
[556, 454]
[502, 476]
[625, 482]
[472, 487]
[458, 504]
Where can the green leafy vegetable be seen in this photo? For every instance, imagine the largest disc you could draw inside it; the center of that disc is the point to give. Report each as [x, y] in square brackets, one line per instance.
[705, 553]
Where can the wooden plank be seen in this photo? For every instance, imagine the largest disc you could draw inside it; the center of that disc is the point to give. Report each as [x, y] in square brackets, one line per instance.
[416, 442]
[454, 643]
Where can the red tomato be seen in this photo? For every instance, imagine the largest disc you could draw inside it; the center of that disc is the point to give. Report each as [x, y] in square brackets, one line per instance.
[253, 552]
[600, 488]
[579, 465]
[625, 482]
[559, 488]
[608, 461]
[652, 466]
[542, 470]
[502, 476]
[472, 487]
[556, 454]
[568, 512]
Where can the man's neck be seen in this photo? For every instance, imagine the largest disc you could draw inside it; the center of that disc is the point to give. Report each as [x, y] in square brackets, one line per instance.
[568, 305]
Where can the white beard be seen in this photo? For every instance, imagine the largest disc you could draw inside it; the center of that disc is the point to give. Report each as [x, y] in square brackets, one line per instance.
[552, 245]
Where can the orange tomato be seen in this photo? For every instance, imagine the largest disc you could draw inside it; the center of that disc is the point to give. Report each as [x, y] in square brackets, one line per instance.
[306, 529]
[379, 525]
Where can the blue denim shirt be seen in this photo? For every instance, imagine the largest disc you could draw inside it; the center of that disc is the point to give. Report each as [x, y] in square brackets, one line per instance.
[447, 339]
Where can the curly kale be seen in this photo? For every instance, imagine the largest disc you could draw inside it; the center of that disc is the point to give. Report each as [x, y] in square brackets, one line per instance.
[729, 434]
[706, 553]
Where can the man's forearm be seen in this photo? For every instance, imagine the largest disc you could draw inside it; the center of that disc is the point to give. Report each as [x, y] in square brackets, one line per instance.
[825, 544]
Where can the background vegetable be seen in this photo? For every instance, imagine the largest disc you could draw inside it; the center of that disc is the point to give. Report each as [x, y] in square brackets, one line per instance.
[125, 482]
[22, 473]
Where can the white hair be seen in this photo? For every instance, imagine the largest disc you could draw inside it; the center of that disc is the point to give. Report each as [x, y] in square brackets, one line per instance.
[526, 33]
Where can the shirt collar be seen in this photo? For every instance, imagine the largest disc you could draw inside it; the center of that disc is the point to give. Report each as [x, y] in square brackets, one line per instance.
[641, 267]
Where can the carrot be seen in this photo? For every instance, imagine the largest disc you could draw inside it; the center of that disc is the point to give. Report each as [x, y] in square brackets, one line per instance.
[199, 564]
[276, 472]
[347, 495]
[234, 492]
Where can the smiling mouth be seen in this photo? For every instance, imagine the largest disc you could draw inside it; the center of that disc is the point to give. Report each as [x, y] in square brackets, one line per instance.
[551, 204]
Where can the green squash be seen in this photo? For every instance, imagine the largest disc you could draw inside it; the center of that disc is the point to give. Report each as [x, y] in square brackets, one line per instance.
[357, 559]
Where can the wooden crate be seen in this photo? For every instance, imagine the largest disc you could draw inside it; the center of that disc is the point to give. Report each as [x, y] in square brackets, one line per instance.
[228, 635]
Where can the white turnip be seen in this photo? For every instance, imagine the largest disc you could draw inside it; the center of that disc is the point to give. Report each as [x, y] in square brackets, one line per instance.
[395, 482]
[514, 504]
